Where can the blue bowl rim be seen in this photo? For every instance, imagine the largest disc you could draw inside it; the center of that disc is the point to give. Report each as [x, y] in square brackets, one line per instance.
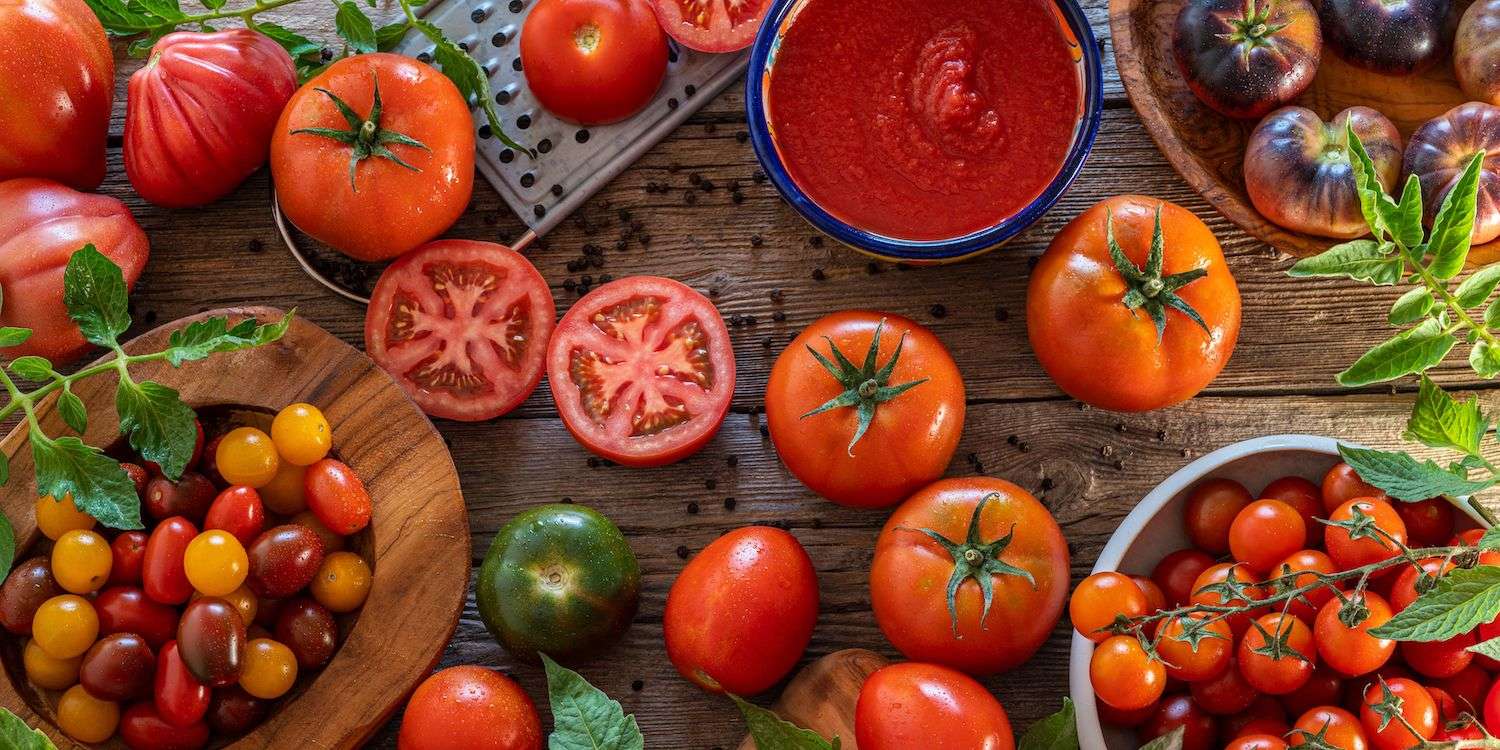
[919, 250]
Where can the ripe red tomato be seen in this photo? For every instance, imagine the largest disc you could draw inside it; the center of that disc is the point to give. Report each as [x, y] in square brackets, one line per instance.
[127, 609]
[1116, 718]
[1353, 651]
[398, 207]
[1404, 588]
[1439, 659]
[642, 371]
[1492, 706]
[1199, 728]
[470, 707]
[1208, 589]
[1264, 716]
[1124, 676]
[912, 572]
[1176, 573]
[1277, 655]
[42, 224]
[1324, 688]
[1419, 716]
[1100, 599]
[127, 552]
[1467, 687]
[1256, 742]
[910, 705]
[1429, 522]
[1194, 647]
[239, 511]
[915, 411]
[1299, 493]
[462, 326]
[1115, 357]
[336, 496]
[200, 114]
[1305, 565]
[1227, 694]
[1341, 484]
[740, 614]
[59, 75]
[162, 568]
[1331, 727]
[143, 728]
[712, 25]
[1348, 552]
[593, 61]
[1210, 510]
[1264, 533]
[1156, 599]
[181, 699]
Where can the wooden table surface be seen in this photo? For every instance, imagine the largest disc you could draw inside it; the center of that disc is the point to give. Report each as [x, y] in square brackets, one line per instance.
[771, 274]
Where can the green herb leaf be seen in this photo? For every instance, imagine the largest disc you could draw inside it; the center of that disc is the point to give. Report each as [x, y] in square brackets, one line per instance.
[121, 19]
[7, 551]
[584, 718]
[296, 45]
[13, 336]
[1404, 478]
[1411, 307]
[73, 412]
[467, 75]
[1405, 220]
[1478, 287]
[771, 732]
[1462, 600]
[141, 46]
[15, 735]
[1492, 314]
[354, 27]
[1453, 228]
[1490, 540]
[1490, 648]
[1373, 202]
[1361, 260]
[1170, 741]
[100, 488]
[213, 4]
[1484, 358]
[160, 427]
[32, 367]
[1439, 420]
[94, 292]
[212, 335]
[390, 35]
[1413, 350]
[1056, 732]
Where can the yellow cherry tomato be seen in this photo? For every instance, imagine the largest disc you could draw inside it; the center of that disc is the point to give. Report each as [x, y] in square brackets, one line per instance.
[285, 494]
[243, 600]
[331, 542]
[55, 518]
[65, 626]
[81, 560]
[301, 434]
[342, 583]
[86, 718]
[247, 456]
[215, 563]
[49, 673]
[269, 669]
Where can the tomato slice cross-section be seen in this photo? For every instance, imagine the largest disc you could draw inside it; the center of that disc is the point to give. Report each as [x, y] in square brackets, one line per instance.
[712, 25]
[642, 371]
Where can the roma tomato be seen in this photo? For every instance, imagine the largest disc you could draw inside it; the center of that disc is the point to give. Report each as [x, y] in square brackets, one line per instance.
[128, 551]
[1141, 355]
[27, 586]
[403, 197]
[162, 572]
[181, 699]
[211, 638]
[118, 667]
[924, 705]
[283, 560]
[239, 511]
[1341, 484]
[143, 728]
[336, 496]
[200, 113]
[1101, 598]
[463, 327]
[712, 25]
[1353, 651]
[58, 72]
[1329, 727]
[1277, 655]
[999, 532]
[642, 371]
[593, 61]
[1176, 573]
[1388, 698]
[1372, 516]
[1264, 533]
[1210, 510]
[127, 609]
[1199, 728]
[469, 707]
[42, 224]
[342, 583]
[1123, 676]
[870, 435]
[741, 612]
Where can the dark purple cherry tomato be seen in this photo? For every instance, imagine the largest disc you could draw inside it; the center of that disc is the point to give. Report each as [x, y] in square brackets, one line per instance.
[1245, 58]
[188, 497]
[118, 667]
[128, 551]
[283, 560]
[308, 629]
[239, 511]
[211, 639]
[1395, 39]
[1429, 523]
[181, 699]
[30, 584]
[127, 609]
[336, 496]
[234, 712]
[142, 728]
[162, 573]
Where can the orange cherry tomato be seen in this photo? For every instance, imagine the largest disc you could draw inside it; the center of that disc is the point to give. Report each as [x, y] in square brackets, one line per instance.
[1329, 727]
[1124, 676]
[1379, 536]
[1102, 598]
[1195, 646]
[1264, 533]
[1277, 655]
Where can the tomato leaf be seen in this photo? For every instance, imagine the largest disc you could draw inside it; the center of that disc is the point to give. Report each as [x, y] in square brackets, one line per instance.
[1405, 478]
[584, 718]
[159, 426]
[354, 27]
[1411, 307]
[296, 45]
[15, 735]
[74, 415]
[1411, 351]
[1170, 741]
[771, 732]
[1404, 220]
[1478, 287]
[1373, 202]
[1484, 358]
[1056, 732]
[212, 335]
[1361, 260]
[7, 549]
[167, 10]
[1490, 648]
[122, 19]
[390, 35]
[468, 75]
[1453, 228]
[1439, 420]
[94, 293]
[32, 367]
[13, 336]
[1462, 600]
[66, 466]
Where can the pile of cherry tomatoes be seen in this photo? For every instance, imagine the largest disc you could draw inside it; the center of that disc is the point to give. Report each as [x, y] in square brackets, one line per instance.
[1287, 674]
[196, 625]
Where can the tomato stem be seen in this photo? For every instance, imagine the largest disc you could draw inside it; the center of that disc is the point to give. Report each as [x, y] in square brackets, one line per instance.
[865, 387]
[1145, 287]
[976, 559]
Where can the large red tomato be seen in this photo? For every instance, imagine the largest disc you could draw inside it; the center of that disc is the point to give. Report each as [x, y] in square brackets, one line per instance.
[200, 113]
[377, 182]
[42, 224]
[913, 705]
[470, 707]
[741, 613]
[56, 87]
[593, 61]
[462, 326]
[998, 551]
[854, 431]
[1119, 334]
[642, 371]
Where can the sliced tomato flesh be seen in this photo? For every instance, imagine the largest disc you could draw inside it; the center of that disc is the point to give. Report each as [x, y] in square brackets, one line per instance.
[712, 25]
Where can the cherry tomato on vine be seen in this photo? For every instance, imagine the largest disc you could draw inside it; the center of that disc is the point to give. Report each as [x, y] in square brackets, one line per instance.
[1385, 701]
[1341, 484]
[1329, 727]
[1156, 599]
[1299, 493]
[1467, 687]
[1214, 585]
[593, 61]
[1227, 694]
[1304, 566]
[1429, 522]
[336, 496]
[81, 561]
[1324, 688]
[1256, 742]
[246, 456]
[911, 705]
[1101, 598]
[1124, 676]
[301, 434]
[1195, 647]
[1176, 573]
[1353, 651]
[1199, 728]
[1377, 533]
[1211, 510]
[1277, 655]
[1264, 533]
[1439, 659]
[54, 518]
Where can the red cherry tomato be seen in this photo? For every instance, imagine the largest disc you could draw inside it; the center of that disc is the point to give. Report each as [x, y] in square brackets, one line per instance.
[1341, 484]
[1447, 707]
[1156, 599]
[1348, 552]
[1207, 590]
[181, 700]
[1429, 522]
[1485, 632]
[1299, 493]
[162, 570]
[1324, 688]
[1333, 727]
[1101, 598]
[1353, 651]
[239, 511]
[1419, 716]
[910, 705]
[1124, 676]
[1304, 565]
[1264, 716]
[1195, 647]
[593, 61]
[1227, 694]
[1200, 728]
[127, 552]
[127, 609]
[142, 728]
[1468, 687]
[1177, 571]
[1404, 588]
[469, 707]
[1264, 532]
[1439, 659]
[1256, 742]
[336, 496]
[1210, 510]
[1277, 655]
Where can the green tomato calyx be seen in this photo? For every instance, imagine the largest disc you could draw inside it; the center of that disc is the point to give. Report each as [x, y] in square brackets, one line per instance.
[365, 136]
[1146, 288]
[865, 386]
[977, 559]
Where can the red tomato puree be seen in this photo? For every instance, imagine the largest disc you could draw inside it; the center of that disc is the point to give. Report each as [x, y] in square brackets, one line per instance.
[924, 119]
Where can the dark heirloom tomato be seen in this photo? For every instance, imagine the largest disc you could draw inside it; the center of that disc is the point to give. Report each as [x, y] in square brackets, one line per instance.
[142, 728]
[180, 697]
[559, 579]
[233, 711]
[211, 639]
[593, 61]
[283, 560]
[910, 705]
[200, 112]
[308, 629]
[642, 371]
[27, 586]
[1443, 146]
[1393, 38]
[127, 552]
[1476, 52]
[162, 573]
[712, 25]
[127, 609]
[118, 667]
[336, 496]
[189, 497]
[1245, 58]
[462, 326]
[998, 534]
[1298, 173]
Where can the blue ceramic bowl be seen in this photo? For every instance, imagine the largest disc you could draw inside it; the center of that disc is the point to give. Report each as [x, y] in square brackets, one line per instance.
[763, 60]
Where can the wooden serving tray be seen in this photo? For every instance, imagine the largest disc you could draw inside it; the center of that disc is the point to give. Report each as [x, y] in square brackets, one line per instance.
[418, 542]
[823, 695]
[1208, 149]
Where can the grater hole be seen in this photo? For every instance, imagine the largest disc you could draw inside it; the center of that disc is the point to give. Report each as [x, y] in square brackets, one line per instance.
[499, 39]
[516, 5]
[557, 190]
[479, 14]
[545, 145]
[484, 132]
[516, 65]
[528, 179]
[502, 97]
[507, 156]
[690, 89]
[539, 210]
[523, 122]
[672, 103]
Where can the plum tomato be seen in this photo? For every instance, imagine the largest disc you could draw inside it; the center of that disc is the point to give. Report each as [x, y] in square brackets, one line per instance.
[343, 582]
[270, 669]
[1353, 651]
[1441, 148]
[741, 612]
[463, 327]
[86, 718]
[336, 496]
[189, 497]
[1210, 510]
[233, 712]
[118, 667]
[1156, 600]
[1228, 584]
[469, 707]
[1371, 531]
[1385, 701]
[1199, 727]
[911, 705]
[47, 672]
[712, 25]
[284, 494]
[559, 579]
[331, 542]
[1226, 694]
[308, 629]
[1330, 728]
[127, 609]
[1277, 655]
[1264, 533]
[215, 563]
[162, 573]
[1256, 742]
[55, 518]
[26, 588]
[239, 511]
[1476, 50]
[211, 639]
[128, 552]
[81, 561]
[1342, 484]
[1299, 493]
[1124, 676]
[1439, 659]
[1325, 687]
[283, 560]
[593, 62]
[1302, 568]
[143, 728]
[1388, 38]
[1245, 59]
[65, 626]
[642, 371]
[181, 699]
[1176, 573]
[1429, 523]
[993, 531]
[1101, 598]
[872, 435]
[301, 434]
[1194, 646]
[246, 456]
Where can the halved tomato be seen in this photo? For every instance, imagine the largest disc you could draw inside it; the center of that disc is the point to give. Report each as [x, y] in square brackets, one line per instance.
[462, 326]
[642, 371]
[712, 25]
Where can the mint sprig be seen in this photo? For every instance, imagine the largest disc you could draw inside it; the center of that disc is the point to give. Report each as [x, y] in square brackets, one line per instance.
[771, 732]
[584, 717]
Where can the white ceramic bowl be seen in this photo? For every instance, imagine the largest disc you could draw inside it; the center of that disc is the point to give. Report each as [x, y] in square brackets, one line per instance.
[1154, 528]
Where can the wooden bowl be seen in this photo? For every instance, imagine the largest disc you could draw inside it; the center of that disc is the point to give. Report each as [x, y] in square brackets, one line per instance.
[419, 531]
[823, 695]
[1208, 149]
